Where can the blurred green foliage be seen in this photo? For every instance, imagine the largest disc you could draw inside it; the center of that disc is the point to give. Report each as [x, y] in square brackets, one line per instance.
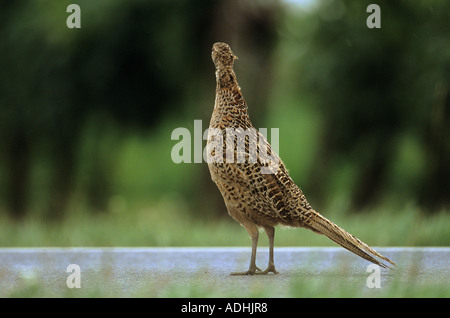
[86, 114]
[383, 97]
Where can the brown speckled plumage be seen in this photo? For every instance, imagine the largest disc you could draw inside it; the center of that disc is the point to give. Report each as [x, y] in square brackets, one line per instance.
[256, 199]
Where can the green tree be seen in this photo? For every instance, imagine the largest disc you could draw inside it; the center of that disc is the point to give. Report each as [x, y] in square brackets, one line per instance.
[378, 87]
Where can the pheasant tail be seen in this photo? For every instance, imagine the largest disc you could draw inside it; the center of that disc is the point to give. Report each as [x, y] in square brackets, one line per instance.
[322, 225]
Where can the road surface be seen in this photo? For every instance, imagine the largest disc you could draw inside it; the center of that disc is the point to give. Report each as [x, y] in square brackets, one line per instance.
[204, 272]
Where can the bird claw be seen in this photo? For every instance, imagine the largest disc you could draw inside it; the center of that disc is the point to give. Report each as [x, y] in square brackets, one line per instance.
[270, 268]
[256, 271]
[251, 271]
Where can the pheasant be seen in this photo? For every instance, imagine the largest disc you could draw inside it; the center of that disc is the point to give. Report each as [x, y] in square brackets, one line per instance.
[258, 192]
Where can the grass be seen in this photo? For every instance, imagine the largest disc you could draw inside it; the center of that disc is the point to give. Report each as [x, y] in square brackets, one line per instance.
[298, 289]
[193, 286]
[145, 226]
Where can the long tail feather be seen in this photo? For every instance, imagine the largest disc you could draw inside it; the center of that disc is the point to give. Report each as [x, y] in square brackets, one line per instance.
[322, 225]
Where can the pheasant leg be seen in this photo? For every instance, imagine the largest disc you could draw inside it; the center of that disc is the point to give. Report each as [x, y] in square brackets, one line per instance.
[253, 269]
[270, 231]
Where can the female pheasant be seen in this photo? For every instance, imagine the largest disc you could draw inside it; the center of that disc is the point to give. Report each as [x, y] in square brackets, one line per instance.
[255, 185]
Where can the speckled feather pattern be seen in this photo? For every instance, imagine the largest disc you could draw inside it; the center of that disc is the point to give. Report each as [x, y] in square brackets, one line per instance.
[252, 198]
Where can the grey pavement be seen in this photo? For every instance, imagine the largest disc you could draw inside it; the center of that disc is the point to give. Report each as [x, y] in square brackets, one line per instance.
[181, 272]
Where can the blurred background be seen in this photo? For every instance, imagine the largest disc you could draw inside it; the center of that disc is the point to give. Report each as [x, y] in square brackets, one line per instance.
[86, 117]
